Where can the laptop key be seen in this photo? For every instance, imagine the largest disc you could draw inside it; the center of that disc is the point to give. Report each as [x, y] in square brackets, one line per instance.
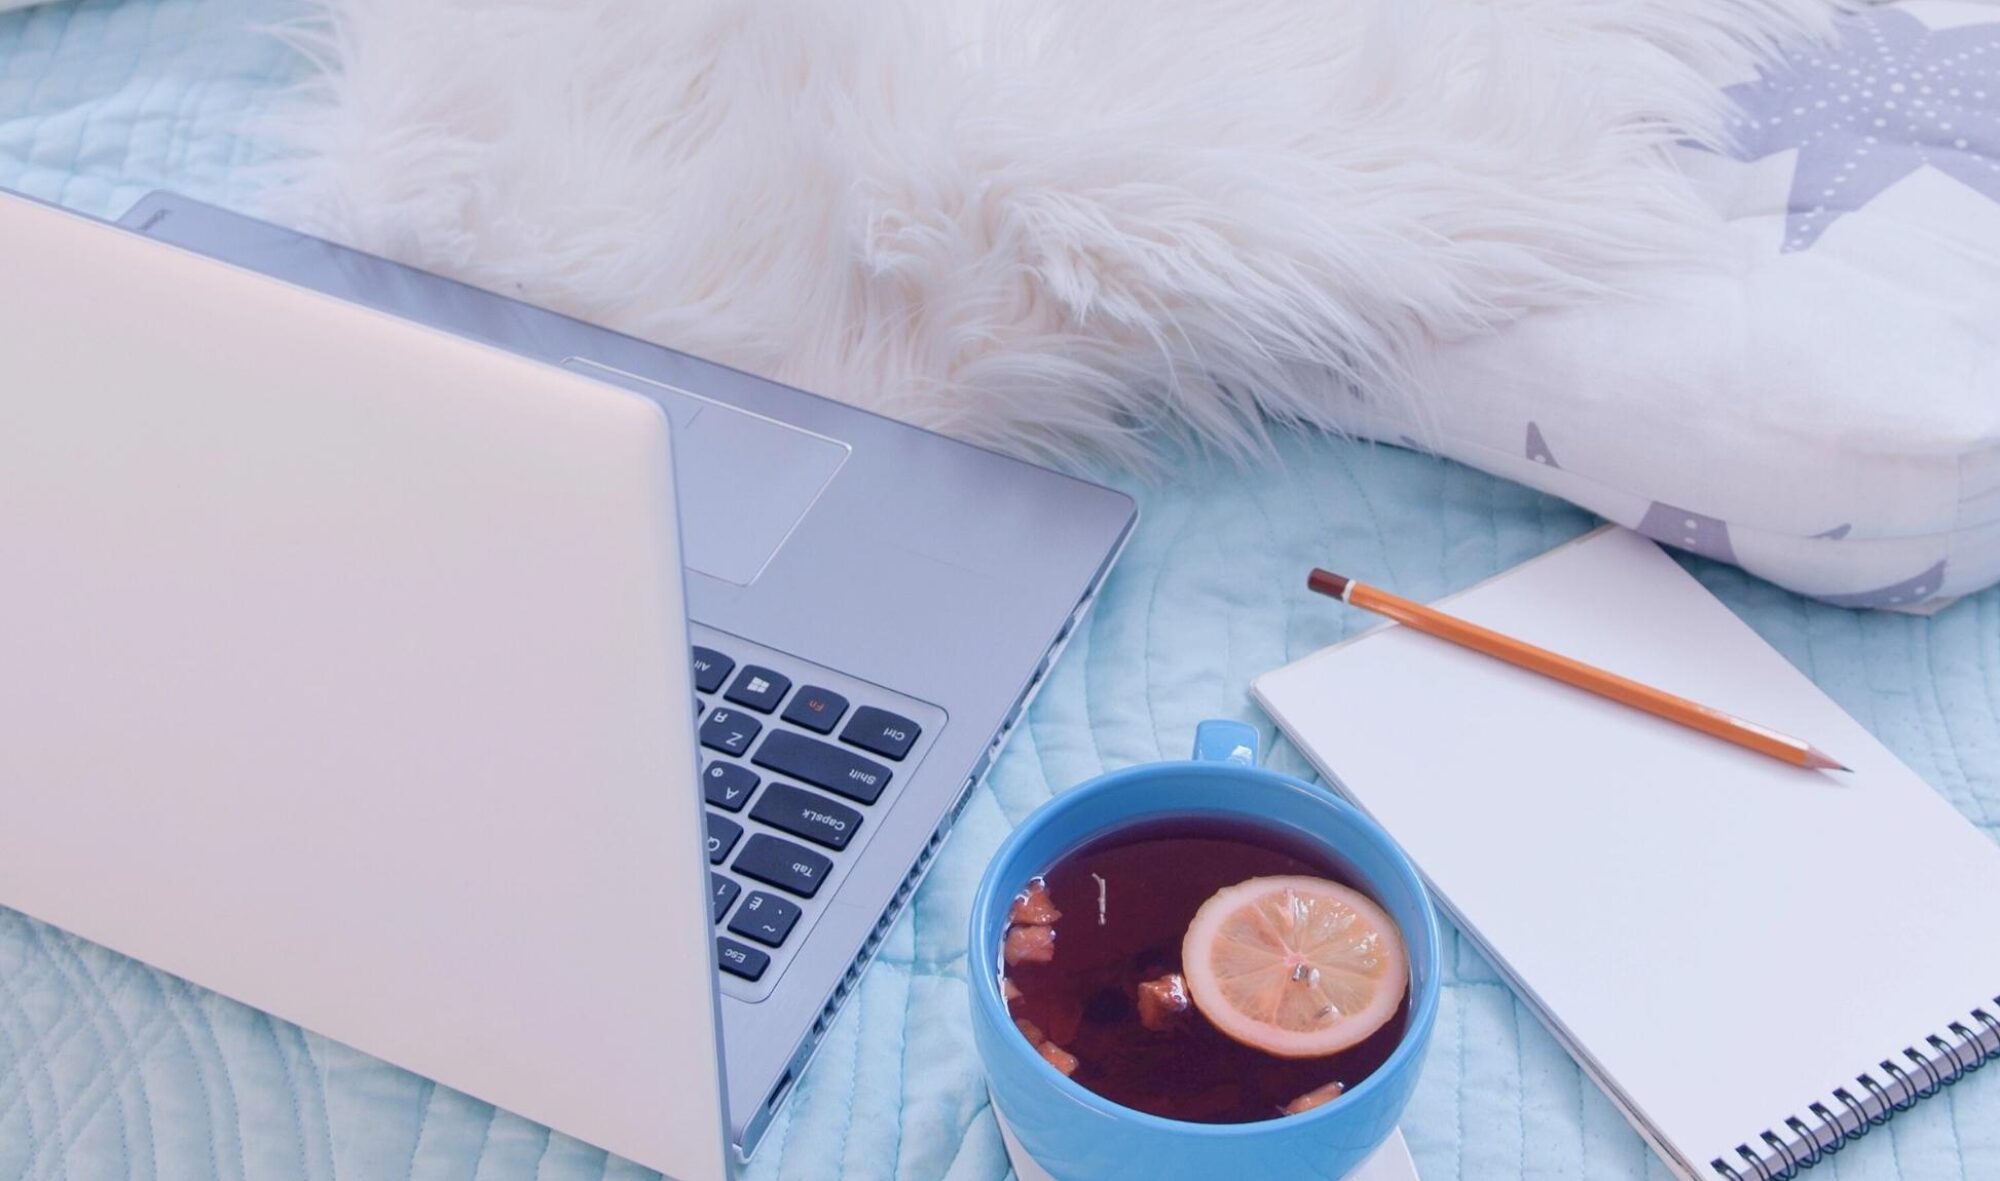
[807, 814]
[759, 688]
[711, 668]
[723, 833]
[728, 785]
[739, 959]
[782, 864]
[816, 709]
[878, 730]
[730, 731]
[723, 891]
[823, 764]
[766, 918]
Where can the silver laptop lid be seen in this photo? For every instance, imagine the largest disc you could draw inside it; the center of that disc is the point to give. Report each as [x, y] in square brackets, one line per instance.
[343, 671]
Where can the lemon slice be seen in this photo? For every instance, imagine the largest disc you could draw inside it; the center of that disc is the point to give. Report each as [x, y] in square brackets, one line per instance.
[1297, 967]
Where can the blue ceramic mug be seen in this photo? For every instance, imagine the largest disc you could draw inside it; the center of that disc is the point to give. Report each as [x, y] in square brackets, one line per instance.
[1075, 1134]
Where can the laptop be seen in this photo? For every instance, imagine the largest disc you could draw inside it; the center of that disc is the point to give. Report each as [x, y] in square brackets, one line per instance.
[374, 658]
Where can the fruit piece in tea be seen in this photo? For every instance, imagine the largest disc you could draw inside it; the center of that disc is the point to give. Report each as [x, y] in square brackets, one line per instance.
[1057, 1057]
[1031, 933]
[1032, 906]
[1030, 945]
[1311, 1099]
[1296, 966]
[1162, 1002]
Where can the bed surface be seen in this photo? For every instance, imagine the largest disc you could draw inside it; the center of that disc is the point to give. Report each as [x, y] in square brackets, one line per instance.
[110, 1070]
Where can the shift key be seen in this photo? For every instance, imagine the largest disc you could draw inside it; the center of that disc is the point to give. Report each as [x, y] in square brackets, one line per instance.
[823, 764]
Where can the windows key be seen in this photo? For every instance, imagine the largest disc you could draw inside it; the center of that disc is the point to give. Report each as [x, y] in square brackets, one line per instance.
[759, 688]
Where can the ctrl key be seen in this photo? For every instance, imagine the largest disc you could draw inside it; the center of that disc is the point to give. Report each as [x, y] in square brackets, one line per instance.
[740, 959]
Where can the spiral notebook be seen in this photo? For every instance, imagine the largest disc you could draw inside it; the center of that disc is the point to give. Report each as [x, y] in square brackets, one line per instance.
[1756, 963]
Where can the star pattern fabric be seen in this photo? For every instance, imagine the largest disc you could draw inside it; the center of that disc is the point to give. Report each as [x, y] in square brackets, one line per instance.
[1891, 97]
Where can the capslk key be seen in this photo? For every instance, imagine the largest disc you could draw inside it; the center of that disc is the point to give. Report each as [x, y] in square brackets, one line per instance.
[807, 814]
[783, 864]
[823, 764]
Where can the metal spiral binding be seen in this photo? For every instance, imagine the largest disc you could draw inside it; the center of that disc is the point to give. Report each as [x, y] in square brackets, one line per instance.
[1897, 1083]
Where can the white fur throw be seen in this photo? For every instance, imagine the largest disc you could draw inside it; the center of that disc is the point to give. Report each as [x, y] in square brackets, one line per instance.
[1057, 227]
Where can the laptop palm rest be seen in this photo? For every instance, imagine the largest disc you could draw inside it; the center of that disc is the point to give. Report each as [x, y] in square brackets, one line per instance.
[744, 481]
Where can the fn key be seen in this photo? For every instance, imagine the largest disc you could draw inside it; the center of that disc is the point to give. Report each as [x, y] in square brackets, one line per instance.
[782, 864]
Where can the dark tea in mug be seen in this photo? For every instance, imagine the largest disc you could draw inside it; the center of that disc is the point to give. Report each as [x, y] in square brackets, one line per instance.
[1207, 970]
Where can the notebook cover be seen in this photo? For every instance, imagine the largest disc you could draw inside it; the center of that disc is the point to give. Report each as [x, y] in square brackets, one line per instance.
[1721, 940]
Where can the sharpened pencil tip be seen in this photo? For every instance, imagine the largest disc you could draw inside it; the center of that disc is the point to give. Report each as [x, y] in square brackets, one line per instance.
[1819, 760]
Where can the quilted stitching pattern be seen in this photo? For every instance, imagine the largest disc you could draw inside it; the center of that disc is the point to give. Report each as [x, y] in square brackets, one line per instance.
[111, 1070]
[101, 102]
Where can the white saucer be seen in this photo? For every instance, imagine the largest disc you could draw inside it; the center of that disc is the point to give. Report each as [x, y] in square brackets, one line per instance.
[1391, 1162]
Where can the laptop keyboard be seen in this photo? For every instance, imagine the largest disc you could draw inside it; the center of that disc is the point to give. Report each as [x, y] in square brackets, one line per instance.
[792, 773]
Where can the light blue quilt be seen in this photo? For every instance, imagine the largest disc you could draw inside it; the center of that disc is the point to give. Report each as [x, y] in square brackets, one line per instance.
[110, 1070]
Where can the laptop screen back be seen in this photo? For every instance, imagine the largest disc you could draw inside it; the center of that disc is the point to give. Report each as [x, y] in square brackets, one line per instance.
[343, 671]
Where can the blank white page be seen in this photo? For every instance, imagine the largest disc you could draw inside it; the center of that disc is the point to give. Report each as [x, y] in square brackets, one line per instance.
[1721, 939]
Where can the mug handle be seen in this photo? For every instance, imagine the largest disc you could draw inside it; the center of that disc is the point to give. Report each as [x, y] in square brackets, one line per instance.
[1219, 741]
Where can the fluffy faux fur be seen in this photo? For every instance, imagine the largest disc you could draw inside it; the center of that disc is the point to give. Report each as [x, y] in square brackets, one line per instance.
[1056, 227]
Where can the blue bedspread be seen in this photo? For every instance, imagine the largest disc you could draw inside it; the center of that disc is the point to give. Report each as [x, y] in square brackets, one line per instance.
[110, 1070]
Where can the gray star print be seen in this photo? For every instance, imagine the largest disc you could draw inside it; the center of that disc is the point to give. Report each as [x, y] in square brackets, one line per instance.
[1891, 97]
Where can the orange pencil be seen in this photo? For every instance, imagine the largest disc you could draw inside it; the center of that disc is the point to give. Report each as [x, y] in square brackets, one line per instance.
[1623, 690]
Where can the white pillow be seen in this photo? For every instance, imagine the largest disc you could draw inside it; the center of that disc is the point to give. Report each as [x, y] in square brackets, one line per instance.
[1824, 408]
